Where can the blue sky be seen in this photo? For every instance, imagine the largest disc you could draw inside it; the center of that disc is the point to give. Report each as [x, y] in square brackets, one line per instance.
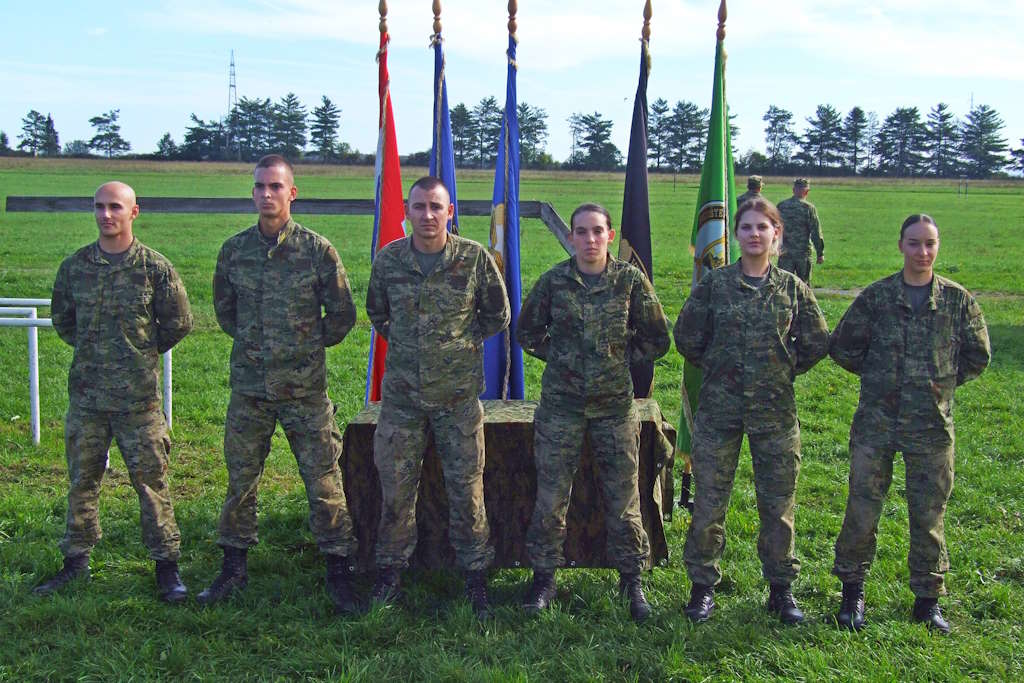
[159, 61]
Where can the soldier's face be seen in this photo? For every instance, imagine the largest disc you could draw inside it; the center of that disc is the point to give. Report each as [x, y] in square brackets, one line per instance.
[919, 246]
[590, 237]
[429, 212]
[756, 233]
[115, 208]
[273, 190]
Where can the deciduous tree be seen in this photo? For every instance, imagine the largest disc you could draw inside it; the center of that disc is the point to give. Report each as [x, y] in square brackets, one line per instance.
[108, 138]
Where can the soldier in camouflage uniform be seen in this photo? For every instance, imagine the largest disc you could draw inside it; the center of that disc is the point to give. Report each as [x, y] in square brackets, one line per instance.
[751, 328]
[280, 291]
[801, 229]
[754, 185]
[435, 297]
[588, 318]
[913, 337]
[120, 305]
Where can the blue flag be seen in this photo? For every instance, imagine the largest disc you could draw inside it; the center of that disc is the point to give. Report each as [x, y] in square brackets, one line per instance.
[442, 154]
[503, 357]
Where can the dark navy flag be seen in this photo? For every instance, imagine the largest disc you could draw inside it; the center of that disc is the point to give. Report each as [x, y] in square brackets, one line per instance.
[635, 231]
[503, 357]
[442, 153]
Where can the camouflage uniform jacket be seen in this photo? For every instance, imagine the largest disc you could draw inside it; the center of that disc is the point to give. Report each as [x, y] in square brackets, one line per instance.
[588, 336]
[750, 343]
[435, 324]
[910, 363]
[119, 317]
[800, 228]
[283, 305]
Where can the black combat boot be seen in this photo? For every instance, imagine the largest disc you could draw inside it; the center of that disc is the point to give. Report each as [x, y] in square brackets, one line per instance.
[476, 593]
[629, 585]
[168, 582]
[542, 592]
[851, 609]
[702, 603]
[339, 584]
[234, 576]
[76, 567]
[782, 602]
[926, 610]
[387, 588]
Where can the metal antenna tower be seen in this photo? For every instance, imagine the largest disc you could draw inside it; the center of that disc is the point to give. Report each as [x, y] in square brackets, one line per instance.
[232, 87]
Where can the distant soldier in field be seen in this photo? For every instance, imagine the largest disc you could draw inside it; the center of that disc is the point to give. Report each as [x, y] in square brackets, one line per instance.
[120, 305]
[754, 185]
[588, 318]
[751, 328]
[801, 228]
[435, 297]
[280, 291]
[913, 338]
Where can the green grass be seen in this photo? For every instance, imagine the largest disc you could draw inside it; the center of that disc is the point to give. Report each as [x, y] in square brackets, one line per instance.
[281, 627]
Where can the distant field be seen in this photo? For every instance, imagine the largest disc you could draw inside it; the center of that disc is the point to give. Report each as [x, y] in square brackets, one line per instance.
[282, 627]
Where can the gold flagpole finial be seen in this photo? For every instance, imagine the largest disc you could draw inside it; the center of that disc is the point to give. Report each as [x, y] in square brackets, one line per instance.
[722, 13]
[382, 7]
[513, 7]
[645, 34]
[437, 17]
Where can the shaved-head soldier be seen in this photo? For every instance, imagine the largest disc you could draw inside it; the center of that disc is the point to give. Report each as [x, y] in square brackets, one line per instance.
[281, 293]
[120, 305]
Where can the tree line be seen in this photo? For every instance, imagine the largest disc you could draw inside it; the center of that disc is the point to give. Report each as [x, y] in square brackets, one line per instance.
[903, 144]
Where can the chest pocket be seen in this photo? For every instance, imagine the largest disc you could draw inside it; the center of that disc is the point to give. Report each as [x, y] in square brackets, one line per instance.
[136, 317]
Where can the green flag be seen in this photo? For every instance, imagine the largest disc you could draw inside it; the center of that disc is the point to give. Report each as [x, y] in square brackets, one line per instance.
[711, 243]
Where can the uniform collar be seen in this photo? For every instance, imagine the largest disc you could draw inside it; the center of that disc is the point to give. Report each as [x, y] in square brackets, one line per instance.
[934, 294]
[282, 236]
[774, 276]
[447, 254]
[96, 254]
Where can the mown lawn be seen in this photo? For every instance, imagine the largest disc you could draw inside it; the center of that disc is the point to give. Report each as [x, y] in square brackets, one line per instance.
[282, 627]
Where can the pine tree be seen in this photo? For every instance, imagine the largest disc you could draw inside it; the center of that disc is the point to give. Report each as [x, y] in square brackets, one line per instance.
[657, 132]
[822, 142]
[778, 136]
[942, 140]
[323, 131]
[33, 133]
[289, 136]
[855, 137]
[982, 147]
[108, 134]
[51, 141]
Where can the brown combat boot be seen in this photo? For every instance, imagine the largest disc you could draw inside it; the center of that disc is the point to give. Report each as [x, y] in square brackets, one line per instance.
[168, 582]
[234, 576]
[75, 568]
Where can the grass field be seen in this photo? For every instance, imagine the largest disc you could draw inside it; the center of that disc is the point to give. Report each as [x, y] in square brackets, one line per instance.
[281, 627]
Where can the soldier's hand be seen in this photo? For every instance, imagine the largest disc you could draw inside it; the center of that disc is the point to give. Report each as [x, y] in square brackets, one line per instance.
[821, 259]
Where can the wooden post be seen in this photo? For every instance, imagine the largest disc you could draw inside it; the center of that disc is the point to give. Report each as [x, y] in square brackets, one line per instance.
[382, 7]
[513, 7]
[437, 18]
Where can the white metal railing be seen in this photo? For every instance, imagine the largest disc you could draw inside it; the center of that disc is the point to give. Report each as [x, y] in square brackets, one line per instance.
[15, 312]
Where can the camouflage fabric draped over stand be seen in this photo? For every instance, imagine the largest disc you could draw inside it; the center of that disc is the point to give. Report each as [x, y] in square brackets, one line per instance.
[510, 484]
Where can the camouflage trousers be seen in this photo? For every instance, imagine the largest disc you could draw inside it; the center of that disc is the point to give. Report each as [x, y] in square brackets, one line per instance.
[798, 264]
[316, 443]
[776, 460]
[929, 484]
[399, 444]
[144, 444]
[615, 444]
